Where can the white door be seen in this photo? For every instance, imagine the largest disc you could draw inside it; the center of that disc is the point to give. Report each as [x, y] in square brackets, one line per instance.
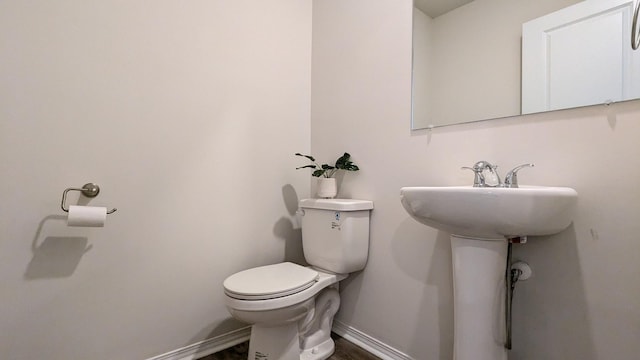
[578, 56]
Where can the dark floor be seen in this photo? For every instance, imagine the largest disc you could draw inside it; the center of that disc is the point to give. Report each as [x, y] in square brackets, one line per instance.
[344, 351]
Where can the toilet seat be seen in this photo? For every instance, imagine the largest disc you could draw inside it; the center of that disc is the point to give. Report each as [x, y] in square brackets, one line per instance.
[270, 282]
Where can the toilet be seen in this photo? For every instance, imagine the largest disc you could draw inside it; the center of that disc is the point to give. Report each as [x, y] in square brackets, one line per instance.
[291, 307]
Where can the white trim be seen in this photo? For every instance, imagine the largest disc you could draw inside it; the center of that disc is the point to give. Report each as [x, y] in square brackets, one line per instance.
[207, 347]
[374, 346]
[224, 341]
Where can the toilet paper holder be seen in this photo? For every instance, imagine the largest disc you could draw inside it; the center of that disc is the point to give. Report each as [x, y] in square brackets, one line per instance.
[89, 190]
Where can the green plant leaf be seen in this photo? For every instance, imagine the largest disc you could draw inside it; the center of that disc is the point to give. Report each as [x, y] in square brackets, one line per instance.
[342, 160]
[326, 170]
[307, 156]
[344, 163]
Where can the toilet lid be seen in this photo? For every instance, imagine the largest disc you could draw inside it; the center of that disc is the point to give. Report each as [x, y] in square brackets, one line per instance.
[269, 282]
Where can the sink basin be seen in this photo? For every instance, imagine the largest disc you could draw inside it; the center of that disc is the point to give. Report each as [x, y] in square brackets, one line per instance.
[492, 213]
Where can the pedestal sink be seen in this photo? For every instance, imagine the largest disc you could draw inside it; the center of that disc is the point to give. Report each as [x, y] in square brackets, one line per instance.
[480, 221]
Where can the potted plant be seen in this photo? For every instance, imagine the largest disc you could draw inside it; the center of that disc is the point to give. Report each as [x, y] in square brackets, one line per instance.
[327, 187]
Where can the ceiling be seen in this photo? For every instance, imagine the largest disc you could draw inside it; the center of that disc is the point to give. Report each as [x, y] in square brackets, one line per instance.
[436, 8]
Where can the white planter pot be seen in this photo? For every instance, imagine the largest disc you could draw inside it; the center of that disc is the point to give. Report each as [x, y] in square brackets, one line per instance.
[327, 188]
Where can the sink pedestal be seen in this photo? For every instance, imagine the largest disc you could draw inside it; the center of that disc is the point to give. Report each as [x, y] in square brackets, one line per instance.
[479, 267]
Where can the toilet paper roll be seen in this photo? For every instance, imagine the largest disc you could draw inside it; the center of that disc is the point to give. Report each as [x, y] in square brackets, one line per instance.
[90, 216]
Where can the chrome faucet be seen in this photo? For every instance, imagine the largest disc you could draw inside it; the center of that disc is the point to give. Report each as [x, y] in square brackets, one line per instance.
[482, 169]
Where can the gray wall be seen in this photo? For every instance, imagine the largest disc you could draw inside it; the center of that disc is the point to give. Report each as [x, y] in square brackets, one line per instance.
[582, 302]
[187, 114]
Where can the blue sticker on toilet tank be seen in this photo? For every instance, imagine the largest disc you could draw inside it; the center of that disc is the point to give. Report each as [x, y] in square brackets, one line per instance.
[336, 223]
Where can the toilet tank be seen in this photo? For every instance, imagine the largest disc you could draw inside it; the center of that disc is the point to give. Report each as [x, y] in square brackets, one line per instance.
[335, 233]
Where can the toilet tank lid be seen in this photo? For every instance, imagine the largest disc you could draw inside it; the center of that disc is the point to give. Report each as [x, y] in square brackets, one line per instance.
[336, 204]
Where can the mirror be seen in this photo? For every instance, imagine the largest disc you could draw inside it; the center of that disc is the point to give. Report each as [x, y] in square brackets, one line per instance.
[485, 59]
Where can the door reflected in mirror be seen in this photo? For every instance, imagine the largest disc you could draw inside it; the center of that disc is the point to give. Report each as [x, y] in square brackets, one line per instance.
[472, 61]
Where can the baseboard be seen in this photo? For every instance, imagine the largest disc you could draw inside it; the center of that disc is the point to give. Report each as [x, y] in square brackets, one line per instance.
[207, 347]
[374, 346]
[224, 341]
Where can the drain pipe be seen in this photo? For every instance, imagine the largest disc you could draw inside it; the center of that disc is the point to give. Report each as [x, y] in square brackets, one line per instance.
[518, 271]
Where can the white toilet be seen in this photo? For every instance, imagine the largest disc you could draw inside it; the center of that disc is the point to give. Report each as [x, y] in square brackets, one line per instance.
[291, 307]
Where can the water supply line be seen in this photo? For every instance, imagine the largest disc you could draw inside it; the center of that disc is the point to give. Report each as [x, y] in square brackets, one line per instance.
[512, 275]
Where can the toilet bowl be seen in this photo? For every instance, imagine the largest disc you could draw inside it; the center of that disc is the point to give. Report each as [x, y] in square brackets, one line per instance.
[291, 307]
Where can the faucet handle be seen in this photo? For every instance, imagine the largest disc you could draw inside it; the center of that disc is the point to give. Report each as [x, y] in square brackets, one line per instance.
[511, 180]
